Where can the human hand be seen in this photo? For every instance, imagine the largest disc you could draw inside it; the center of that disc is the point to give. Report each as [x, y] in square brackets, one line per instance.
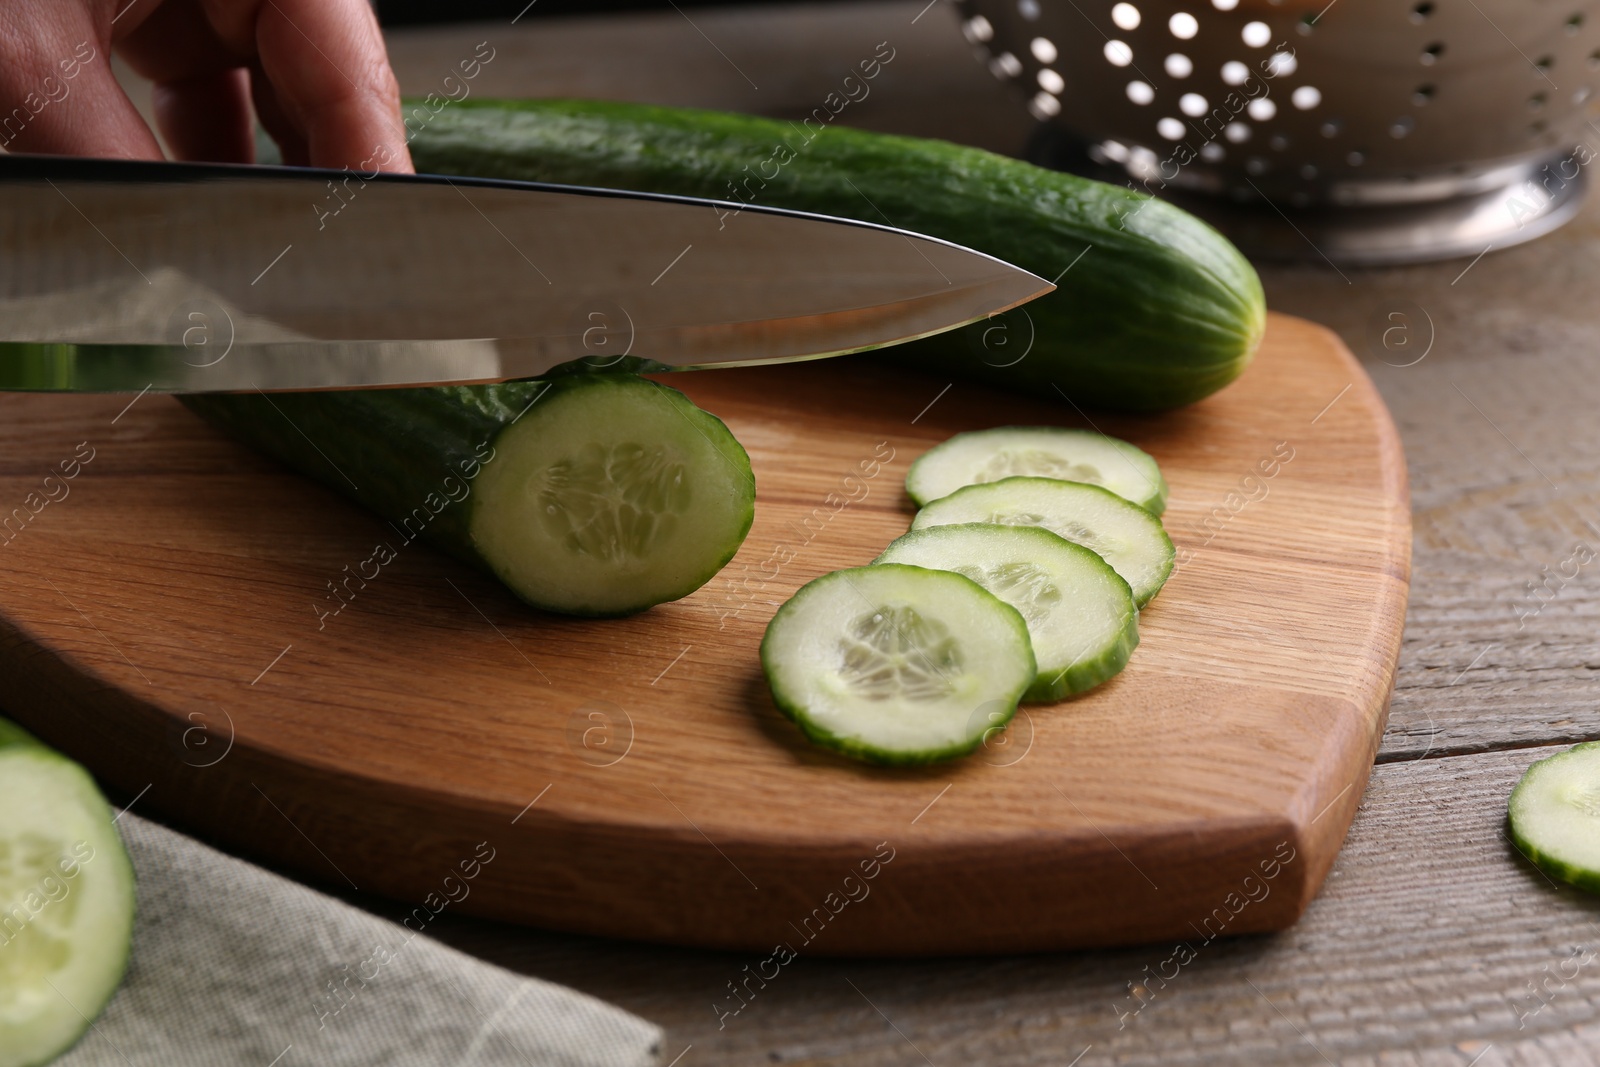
[315, 71]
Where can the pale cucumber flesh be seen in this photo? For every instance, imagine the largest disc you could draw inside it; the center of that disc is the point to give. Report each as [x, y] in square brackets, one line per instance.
[66, 903]
[1127, 536]
[1080, 613]
[897, 664]
[981, 456]
[612, 495]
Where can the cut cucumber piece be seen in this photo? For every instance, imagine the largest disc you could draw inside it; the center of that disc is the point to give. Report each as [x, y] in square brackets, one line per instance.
[1038, 451]
[896, 664]
[1080, 613]
[1555, 815]
[66, 902]
[620, 494]
[589, 494]
[1127, 536]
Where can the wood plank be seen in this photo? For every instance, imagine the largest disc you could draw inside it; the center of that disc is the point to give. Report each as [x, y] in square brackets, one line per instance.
[1502, 445]
[1247, 718]
[1420, 950]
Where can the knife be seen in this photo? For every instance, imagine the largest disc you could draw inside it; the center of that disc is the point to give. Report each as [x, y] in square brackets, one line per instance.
[119, 275]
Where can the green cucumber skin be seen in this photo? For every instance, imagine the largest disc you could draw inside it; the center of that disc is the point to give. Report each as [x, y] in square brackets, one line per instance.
[389, 449]
[1076, 681]
[395, 446]
[1580, 877]
[1161, 312]
[864, 753]
[14, 736]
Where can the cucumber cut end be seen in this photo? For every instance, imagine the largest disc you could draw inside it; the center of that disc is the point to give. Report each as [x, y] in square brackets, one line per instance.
[897, 664]
[1554, 814]
[619, 495]
[66, 904]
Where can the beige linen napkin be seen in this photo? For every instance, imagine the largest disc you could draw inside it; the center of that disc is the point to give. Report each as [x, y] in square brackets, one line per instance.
[233, 965]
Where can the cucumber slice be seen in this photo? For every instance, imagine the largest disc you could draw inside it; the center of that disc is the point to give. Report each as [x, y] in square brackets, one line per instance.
[1555, 815]
[588, 494]
[896, 664]
[66, 902]
[1041, 452]
[1127, 536]
[1080, 613]
[619, 495]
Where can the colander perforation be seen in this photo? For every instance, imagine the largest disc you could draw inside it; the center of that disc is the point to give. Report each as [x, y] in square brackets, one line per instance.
[1356, 102]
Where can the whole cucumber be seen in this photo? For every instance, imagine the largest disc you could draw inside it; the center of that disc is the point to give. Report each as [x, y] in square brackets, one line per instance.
[1159, 311]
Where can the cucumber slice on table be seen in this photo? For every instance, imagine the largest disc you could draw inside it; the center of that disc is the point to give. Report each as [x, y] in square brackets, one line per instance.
[589, 494]
[1038, 451]
[1080, 613]
[1127, 536]
[1555, 815]
[66, 901]
[897, 664]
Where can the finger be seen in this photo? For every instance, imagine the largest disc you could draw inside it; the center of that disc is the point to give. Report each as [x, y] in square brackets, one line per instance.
[57, 92]
[330, 76]
[207, 118]
[291, 142]
[200, 88]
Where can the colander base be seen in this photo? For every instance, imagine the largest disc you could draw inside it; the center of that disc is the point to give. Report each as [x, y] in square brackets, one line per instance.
[1517, 209]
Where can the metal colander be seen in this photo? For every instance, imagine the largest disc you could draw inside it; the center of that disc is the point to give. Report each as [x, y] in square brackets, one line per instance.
[1360, 130]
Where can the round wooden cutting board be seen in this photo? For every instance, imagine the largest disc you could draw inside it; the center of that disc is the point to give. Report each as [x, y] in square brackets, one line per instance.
[167, 617]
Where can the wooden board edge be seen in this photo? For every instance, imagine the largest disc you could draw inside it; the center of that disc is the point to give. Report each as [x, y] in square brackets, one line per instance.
[1322, 815]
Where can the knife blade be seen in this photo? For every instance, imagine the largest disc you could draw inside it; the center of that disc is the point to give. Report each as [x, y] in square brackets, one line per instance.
[120, 275]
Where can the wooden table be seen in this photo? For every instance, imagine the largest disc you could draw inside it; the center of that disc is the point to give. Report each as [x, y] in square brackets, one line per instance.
[1431, 938]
